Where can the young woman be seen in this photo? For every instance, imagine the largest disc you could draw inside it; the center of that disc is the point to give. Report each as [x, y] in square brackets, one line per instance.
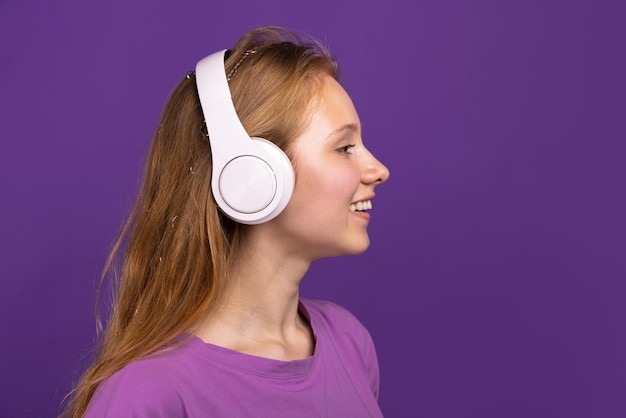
[207, 320]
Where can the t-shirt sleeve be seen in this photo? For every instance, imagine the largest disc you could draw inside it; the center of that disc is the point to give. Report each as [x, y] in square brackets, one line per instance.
[136, 391]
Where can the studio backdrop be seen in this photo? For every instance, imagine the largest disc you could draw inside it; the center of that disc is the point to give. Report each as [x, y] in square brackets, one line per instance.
[494, 285]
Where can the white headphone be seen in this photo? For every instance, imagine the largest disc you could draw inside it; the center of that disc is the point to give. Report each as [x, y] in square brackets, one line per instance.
[252, 178]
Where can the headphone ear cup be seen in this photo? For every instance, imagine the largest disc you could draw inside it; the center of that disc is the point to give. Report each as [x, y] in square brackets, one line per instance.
[283, 171]
[255, 187]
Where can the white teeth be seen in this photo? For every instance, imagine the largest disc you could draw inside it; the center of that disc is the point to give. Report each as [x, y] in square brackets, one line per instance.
[364, 205]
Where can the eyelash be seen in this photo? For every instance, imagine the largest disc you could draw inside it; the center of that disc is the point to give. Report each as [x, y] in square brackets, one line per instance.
[345, 149]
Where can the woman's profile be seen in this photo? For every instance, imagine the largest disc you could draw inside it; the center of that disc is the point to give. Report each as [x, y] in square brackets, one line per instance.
[207, 319]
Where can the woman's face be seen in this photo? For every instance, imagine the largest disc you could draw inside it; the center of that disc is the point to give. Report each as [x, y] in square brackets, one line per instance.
[335, 180]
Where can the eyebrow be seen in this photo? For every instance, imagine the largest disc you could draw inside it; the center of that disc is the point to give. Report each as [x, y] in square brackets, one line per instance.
[348, 127]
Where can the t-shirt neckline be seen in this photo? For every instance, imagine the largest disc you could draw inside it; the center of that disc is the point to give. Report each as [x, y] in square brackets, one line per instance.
[257, 365]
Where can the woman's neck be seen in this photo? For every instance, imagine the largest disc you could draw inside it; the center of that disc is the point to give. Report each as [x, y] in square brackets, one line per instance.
[259, 313]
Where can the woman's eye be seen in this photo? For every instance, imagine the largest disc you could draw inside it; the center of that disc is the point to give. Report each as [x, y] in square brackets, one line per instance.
[345, 149]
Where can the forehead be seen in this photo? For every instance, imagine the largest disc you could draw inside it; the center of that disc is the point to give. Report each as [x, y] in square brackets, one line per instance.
[332, 119]
[332, 111]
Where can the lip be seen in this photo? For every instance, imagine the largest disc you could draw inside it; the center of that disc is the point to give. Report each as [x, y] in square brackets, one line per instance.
[363, 215]
[364, 198]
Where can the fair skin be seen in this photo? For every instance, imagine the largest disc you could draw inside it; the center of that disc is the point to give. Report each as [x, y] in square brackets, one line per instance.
[334, 170]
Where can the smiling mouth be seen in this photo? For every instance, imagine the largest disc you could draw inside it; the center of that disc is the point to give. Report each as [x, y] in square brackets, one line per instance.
[361, 206]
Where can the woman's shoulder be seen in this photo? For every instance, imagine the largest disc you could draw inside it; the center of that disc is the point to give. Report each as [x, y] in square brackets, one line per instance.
[135, 387]
[335, 319]
[329, 310]
[341, 336]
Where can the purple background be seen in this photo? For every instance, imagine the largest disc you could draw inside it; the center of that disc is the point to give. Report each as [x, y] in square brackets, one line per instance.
[495, 283]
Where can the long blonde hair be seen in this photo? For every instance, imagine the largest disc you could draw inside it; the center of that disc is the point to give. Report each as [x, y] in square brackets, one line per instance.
[177, 247]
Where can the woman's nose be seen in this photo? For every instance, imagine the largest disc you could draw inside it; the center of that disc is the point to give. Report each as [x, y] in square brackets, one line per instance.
[375, 171]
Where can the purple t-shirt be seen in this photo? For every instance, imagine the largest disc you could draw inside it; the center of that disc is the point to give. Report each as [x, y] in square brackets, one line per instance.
[203, 380]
